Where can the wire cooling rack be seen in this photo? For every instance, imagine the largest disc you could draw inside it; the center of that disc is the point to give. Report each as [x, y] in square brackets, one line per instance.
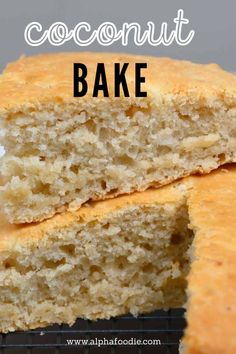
[165, 327]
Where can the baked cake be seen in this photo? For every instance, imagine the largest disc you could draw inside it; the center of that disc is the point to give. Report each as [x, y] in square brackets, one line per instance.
[211, 306]
[130, 254]
[62, 151]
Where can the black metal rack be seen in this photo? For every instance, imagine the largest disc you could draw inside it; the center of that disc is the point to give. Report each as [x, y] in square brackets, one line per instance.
[165, 326]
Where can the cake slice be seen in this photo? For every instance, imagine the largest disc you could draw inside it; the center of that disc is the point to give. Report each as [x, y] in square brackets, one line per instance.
[123, 255]
[211, 307]
[62, 151]
[130, 254]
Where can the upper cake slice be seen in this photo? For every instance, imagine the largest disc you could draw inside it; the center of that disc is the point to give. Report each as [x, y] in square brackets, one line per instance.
[62, 151]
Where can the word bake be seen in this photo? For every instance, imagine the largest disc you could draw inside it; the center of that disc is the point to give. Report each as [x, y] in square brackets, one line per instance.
[100, 85]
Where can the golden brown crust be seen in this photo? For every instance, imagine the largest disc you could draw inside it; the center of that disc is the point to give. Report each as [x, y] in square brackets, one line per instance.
[211, 311]
[49, 78]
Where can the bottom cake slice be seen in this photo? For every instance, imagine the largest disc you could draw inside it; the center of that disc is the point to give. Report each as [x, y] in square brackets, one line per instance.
[130, 254]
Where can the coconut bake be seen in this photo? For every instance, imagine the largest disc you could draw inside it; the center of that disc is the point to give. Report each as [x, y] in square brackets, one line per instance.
[62, 151]
[134, 254]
